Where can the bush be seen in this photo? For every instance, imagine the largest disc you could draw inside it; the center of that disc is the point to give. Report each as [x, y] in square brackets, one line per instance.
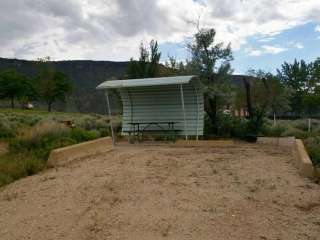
[80, 135]
[34, 135]
[227, 126]
[273, 131]
[6, 129]
[15, 166]
[295, 132]
[313, 147]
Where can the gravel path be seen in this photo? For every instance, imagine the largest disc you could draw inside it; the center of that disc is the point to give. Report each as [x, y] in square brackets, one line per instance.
[160, 192]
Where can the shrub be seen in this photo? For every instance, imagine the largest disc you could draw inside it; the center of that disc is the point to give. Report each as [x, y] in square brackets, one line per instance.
[33, 136]
[300, 124]
[295, 132]
[313, 147]
[227, 126]
[6, 129]
[256, 123]
[273, 131]
[15, 166]
[239, 129]
[80, 135]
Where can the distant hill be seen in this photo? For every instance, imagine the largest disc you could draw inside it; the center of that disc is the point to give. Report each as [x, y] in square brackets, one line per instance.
[84, 74]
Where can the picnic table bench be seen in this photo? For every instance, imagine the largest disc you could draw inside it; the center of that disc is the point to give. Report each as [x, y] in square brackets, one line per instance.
[139, 128]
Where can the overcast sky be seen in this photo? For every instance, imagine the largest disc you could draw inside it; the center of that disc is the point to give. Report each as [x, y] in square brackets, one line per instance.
[263, 33]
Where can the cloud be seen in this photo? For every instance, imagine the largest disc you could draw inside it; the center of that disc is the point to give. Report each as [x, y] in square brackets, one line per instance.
[263, 50]
[268, 49]
[108, 29]
[268, 39]
[299, 45]
[317, 28]
[253, 52]
[294, 44]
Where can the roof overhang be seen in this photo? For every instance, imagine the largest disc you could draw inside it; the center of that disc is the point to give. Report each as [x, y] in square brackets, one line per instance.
[146, 82]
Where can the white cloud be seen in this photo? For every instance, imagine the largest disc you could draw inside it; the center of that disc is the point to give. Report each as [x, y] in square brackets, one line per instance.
[268, 49]
[317, 29]
[253, 52]
[263, 50]
[294, 44]
[299, 45]
[108, 29]
[268, 39]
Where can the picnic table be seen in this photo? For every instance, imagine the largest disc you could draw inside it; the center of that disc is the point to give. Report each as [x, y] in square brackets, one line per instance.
[139, 128]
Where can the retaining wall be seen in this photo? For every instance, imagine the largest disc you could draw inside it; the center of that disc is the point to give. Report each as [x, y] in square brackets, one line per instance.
[301, 158]
[204, 143]
[62, 156]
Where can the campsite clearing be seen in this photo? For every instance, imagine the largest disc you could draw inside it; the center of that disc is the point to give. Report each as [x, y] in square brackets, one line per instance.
[244, 191]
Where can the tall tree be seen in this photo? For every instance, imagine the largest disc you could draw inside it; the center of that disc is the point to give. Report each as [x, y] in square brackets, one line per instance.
[13, 86]
[148, 63]
[51, 85]
[298, 76]
[211, 62]
[270, 94]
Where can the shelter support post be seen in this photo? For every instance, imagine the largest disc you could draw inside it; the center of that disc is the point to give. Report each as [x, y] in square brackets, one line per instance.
[184, 112]
[110, 117]
[197, 102]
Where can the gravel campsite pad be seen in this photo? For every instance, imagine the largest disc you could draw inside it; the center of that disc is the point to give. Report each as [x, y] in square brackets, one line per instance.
[245, 191]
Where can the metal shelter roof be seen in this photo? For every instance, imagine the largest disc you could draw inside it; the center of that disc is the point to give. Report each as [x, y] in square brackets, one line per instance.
[144, 82]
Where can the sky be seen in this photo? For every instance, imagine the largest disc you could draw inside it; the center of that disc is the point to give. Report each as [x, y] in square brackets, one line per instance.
[263, 34]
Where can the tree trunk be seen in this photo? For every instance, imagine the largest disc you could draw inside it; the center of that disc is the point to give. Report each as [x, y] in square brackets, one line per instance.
[49, 106]
[211, 110]
[12, 102]
[248, 96]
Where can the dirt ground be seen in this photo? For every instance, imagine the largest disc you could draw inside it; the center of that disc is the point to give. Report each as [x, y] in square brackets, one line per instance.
[245, 191]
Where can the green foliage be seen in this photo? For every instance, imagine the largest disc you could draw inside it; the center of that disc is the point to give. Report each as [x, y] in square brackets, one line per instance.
[148, 63]
[6, 129]
[227, 126]
[13, 86]
[211, 62]
[313, 147]
[256, 122]
[15, 166]
[39, 133]
[273, 131]
[80, 135]
[304, 79]
[51, 85]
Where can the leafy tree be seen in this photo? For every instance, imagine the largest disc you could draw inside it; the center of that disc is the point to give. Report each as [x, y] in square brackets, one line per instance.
[270, 94]
[303, 78]
[148, 63]
[173, 67]
[51, 85]
[211, 62]
[13, 86]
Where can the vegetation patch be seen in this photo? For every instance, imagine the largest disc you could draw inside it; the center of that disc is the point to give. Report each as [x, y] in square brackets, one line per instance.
[33, 135]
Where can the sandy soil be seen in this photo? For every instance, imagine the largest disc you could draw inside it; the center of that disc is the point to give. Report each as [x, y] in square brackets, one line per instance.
[162, 192]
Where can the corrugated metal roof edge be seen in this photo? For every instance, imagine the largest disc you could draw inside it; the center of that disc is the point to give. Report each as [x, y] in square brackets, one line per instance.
[162, 81]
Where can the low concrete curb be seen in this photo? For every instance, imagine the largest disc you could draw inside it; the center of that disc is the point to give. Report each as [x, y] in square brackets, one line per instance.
[279, 141]
[301, 158]
[62, 156]
[303, 161]
[201, 143]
